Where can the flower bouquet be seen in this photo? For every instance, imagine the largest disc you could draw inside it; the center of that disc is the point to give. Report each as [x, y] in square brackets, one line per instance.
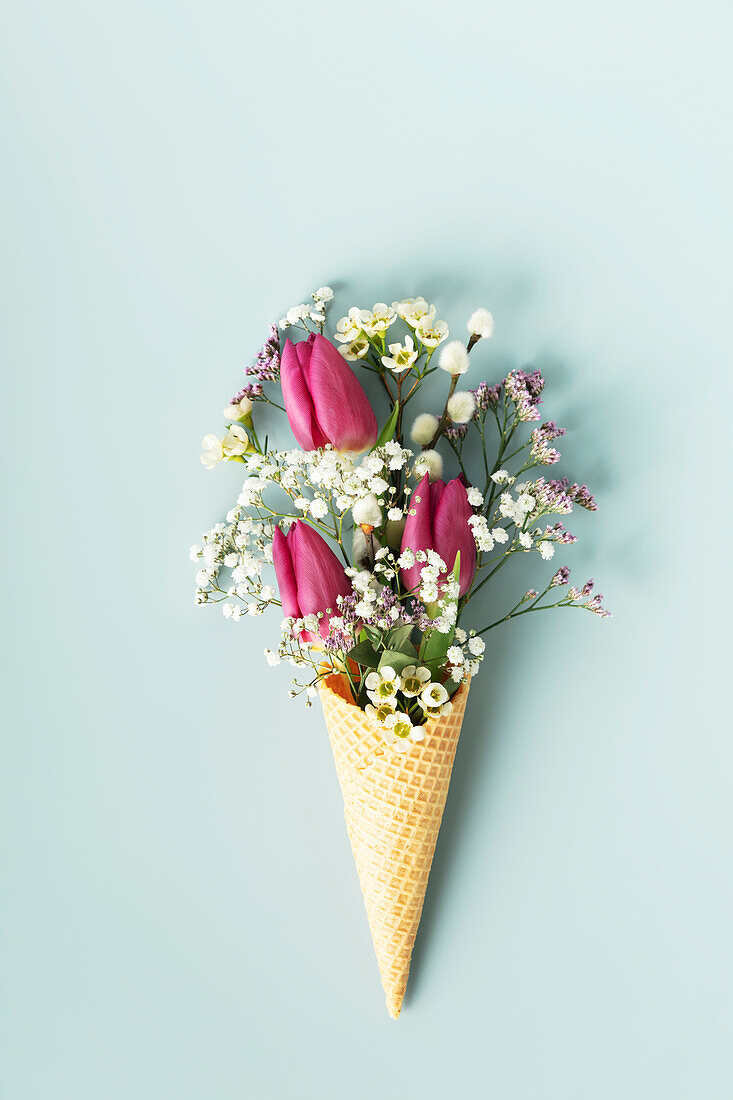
[378, 556]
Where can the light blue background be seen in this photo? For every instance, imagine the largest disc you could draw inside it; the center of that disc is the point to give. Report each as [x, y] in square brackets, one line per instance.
[181, 916]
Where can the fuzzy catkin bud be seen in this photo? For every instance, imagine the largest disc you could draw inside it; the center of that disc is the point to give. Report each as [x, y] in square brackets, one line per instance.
[454, 358]
[481, 324]
[429, 462]
[367, 511]
[461, 407]
[423, 428]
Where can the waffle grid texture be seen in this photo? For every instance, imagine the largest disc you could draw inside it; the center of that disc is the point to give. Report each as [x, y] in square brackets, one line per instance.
[393, 805]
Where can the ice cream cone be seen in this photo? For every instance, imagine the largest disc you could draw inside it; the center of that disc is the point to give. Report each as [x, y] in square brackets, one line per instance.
[393, 804]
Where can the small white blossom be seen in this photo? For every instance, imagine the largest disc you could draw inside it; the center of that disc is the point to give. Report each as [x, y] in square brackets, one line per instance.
[272, 658]
[413, 310]
[318, 508]
[476, 645]
[455, 656]
[430, 332]
[475, 496]
[500, 476]
[239, 410]
[547, 549]
[213, 451]
[525, 540]
[323, 294]
[401, 356]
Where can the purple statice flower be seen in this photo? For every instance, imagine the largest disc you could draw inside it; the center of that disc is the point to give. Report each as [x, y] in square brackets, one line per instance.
[561, 577]
[266, 366]
[525, 390]
[587, 588]
[456, 432]
[486, 396]
[253, 391]
[596, 606]
[558, 533]
[551, 497]
[541, 451]
[578, 494]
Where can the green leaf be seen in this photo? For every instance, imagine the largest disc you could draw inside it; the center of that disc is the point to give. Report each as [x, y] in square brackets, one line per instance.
[395, 659]
[364, 654]
[399, 638]
[387, 431]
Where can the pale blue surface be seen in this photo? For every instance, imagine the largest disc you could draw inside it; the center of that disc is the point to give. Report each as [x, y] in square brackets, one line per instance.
[181, 916]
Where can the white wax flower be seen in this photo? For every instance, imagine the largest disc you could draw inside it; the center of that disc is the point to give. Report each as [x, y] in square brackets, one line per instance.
[429, 462]
[461, 407]
[238, 410]
[423, 428]
[213, 451]
[367, 511]
[323, 294]
[235, 442]
[454, 358]
[481, 324]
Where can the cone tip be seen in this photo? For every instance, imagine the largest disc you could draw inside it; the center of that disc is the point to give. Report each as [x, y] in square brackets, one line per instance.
[394, 1006]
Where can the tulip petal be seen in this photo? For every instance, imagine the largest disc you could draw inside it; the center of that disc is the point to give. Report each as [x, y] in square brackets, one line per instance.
[285, 574]
[417, 534]
[342, 409]
[296, 395]
[320, 575]
[452, 533]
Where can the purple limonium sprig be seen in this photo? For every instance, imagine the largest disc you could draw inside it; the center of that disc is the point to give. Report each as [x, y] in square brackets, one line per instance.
[540, 438]
[253, 391]
[486, 396]
[578, 494]
[266, 366]
[525, 390]
[562, 577]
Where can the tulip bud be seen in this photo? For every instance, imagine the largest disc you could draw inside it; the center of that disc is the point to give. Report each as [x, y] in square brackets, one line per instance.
[324, 401]
[309, 575]
[438, 520]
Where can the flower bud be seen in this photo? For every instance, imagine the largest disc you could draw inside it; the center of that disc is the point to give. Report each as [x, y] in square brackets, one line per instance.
[461, 407]
[481, 324]
[454, 358]
[423, 428]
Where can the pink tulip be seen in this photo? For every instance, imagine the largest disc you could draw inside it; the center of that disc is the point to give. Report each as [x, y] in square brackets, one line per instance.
[323, 399]
[440, 523]
[309, 575]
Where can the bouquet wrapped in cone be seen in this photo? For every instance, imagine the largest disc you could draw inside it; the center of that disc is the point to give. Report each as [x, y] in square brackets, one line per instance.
[377, 555]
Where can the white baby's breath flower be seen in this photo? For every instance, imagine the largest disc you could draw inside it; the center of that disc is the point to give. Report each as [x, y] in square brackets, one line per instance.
[500, 535]
[428, 462]
[272, 658]
[481, 324]
[475, 496]
[401, 356]
[302, 504]
[525, 540]
[454, 358]
[454, 656]
[195, 552]
[461, 407]
[394, 515]
[423, 428]
[547, 549]
[318, 508]
[296, 313]
[476, 645]
[500, 476]
[323, 294]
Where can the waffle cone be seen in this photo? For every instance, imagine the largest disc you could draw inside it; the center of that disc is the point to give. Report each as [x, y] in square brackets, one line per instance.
[393, 804]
